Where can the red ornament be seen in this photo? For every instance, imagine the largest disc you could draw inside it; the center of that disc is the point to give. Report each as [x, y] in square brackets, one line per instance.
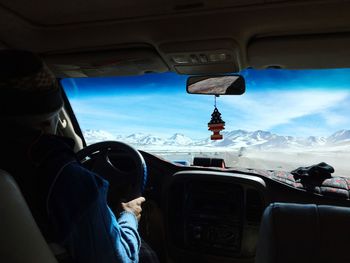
[216, 125]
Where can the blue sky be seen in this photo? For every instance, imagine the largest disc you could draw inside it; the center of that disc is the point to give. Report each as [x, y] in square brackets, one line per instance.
[287, 102]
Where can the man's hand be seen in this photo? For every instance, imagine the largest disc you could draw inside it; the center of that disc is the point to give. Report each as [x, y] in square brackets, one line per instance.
[134, 206]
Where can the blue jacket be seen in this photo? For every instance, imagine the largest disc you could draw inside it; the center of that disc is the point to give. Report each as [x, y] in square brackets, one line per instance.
[69, 203]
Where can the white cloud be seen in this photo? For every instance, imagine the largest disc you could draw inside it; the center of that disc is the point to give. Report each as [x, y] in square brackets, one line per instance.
[283, 111]
[94, 110]
[265, 110]
[335, 119]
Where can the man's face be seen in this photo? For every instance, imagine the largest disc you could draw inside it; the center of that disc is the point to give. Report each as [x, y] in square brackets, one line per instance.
[48, 126]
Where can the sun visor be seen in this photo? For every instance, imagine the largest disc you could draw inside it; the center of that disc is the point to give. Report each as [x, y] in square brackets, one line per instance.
[125, 62]
[300, 52]
[202, 57]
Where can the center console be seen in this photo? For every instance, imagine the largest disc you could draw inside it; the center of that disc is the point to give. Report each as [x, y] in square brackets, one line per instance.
[213, 217]
[214, 213]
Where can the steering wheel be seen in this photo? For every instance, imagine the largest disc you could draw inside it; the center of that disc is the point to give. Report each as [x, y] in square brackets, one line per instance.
[98, 158]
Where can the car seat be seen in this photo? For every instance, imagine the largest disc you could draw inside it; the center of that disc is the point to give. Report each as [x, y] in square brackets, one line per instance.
[20, 238]
[304, 233]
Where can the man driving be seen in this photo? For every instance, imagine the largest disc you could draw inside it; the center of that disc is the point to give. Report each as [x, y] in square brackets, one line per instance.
[68, 202]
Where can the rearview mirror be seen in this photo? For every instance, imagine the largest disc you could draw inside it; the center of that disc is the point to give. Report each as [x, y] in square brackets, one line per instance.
[216, 85]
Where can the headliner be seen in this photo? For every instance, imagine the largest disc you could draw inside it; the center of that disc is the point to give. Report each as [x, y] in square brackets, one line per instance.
[87, 25]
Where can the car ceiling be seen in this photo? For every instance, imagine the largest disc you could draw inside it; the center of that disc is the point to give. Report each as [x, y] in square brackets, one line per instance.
[256, 33]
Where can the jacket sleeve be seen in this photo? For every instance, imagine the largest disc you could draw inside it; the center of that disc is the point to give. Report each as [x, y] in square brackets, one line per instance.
[85, 224]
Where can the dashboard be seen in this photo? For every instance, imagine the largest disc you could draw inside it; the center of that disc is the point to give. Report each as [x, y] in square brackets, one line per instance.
[208, 214]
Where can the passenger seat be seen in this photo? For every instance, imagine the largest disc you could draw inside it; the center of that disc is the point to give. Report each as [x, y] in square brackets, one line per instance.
[20, 238]
[297, 233]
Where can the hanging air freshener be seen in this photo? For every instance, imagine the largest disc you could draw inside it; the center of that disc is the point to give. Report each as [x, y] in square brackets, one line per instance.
[216, 124]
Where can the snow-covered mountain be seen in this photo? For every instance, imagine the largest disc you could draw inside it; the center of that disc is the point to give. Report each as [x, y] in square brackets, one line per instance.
[92, 136]
[341, 136]
[314, 141]
[135, 137]
[179, 139]
[150, 140]
[232, 139]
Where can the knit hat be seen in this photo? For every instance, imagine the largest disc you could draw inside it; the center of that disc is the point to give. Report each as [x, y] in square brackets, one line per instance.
[27, 86]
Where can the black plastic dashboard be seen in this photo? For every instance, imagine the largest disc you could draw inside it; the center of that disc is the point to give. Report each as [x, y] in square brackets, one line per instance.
[213, 216]
[207, 214]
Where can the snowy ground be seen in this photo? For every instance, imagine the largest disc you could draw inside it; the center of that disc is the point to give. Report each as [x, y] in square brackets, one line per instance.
[274, 159]
[288, 161]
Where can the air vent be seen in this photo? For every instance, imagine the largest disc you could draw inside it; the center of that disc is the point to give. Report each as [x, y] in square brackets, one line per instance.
[254, 207]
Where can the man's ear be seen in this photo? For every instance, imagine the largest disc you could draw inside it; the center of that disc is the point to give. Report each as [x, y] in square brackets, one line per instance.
[62, 123]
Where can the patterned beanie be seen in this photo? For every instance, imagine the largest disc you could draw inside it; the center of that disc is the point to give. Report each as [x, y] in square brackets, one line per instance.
[27, 86]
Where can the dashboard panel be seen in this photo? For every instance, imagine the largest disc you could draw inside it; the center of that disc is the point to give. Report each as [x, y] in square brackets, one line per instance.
[187, 222]
[213, 216]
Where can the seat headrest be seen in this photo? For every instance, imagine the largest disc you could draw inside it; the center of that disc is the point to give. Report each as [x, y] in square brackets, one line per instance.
[300, 233]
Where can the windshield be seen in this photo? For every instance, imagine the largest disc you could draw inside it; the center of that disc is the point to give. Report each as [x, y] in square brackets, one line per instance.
[286, 118]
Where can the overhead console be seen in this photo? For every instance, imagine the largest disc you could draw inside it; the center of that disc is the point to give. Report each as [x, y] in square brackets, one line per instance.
[202, 57]
[213, 216]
